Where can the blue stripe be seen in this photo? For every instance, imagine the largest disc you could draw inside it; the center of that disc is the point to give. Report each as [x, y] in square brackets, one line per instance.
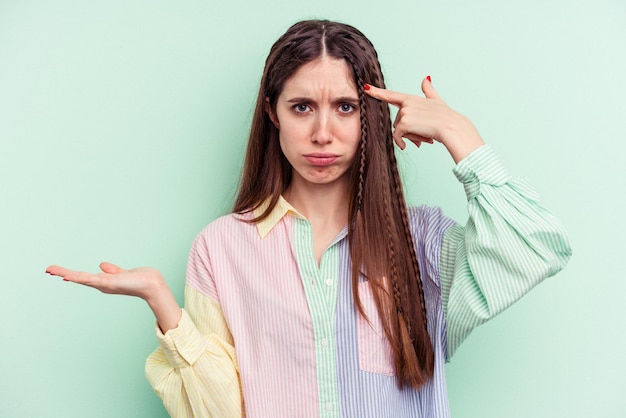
[368, 394]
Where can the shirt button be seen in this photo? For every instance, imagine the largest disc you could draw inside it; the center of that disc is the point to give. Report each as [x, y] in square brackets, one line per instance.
[329, 406]
[324, 342]
[329, 282]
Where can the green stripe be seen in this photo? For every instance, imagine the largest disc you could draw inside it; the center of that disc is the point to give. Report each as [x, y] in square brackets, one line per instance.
[509, 244]
[322, 300]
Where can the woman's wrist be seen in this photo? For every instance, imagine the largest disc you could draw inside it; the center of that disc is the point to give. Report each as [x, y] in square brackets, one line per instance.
[164, 306]
[461, 138]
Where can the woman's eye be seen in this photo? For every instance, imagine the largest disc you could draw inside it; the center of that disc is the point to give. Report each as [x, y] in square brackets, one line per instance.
[346, 108]
[301, 108]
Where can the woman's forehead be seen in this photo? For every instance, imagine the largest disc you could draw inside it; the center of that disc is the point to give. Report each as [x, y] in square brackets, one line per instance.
[322, 74]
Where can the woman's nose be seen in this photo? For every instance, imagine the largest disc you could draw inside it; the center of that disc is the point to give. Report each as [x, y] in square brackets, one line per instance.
[322, 130]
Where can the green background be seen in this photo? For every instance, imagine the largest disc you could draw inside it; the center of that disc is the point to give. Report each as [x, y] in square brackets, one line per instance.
[122, 129]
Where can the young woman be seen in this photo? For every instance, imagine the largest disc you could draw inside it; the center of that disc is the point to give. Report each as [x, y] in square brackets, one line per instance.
[323, 294]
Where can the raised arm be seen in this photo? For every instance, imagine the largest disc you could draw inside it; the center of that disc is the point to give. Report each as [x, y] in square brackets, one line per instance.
[510, 242]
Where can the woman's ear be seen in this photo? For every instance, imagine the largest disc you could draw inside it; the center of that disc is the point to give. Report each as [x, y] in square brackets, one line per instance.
[271, 113]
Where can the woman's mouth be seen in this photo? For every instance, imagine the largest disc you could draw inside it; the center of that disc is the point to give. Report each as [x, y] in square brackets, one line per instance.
[321, 159]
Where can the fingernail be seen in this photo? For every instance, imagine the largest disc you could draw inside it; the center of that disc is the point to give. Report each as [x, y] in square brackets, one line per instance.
[366, 87]
[429, 79]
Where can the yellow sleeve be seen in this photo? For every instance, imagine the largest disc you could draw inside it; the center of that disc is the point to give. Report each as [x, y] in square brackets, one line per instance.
[194, 371]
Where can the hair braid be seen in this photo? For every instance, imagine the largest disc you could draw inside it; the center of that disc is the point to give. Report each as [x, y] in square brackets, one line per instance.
[402, 288]
[405, 225]
[363, 145]
[394, 275]
[393, 267]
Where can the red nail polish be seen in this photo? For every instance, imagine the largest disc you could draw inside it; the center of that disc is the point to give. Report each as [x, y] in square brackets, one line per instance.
[366, 87]
[429, 79]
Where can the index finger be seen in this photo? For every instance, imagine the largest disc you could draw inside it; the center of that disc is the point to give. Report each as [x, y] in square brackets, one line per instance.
[395, 98]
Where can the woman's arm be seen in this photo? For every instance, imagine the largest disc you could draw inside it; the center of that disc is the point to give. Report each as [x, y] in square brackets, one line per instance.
[144, 282]
[510, 242]
[194, 370]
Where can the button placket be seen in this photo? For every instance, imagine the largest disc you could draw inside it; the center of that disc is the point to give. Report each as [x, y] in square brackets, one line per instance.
[321, 294]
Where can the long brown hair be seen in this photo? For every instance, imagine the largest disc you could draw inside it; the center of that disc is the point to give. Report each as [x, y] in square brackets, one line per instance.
[377, 205]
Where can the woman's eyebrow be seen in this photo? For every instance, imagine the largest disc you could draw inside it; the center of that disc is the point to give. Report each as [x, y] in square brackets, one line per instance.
[341, 99]
[300, 99]
[347, 99]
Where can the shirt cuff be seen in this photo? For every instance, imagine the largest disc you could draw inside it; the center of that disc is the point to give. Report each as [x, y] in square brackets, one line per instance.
[481, 166]
[184, 344]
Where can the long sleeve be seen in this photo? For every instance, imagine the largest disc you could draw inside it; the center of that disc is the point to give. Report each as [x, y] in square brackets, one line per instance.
[509, 245]
[194, 370]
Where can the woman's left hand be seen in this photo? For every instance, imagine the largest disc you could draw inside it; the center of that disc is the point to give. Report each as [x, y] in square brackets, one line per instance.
[424, 119]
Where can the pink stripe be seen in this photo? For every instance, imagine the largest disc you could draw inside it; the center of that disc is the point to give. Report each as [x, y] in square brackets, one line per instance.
[257, 284]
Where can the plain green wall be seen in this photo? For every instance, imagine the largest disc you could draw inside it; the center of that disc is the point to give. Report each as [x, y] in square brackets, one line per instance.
[122, 128]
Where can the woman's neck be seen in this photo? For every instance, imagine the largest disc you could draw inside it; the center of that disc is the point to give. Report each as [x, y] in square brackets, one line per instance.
[320, 203]
[326, 207]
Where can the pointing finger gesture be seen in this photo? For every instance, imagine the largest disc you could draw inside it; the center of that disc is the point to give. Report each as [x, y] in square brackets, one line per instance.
[428, 118]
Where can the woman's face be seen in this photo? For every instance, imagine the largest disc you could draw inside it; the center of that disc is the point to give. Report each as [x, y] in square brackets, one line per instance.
[317, 115]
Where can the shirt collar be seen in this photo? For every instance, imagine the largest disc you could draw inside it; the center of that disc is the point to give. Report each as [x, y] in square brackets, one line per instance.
[281, 209]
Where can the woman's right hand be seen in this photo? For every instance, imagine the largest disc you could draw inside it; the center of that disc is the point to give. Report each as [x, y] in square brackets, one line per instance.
[428, 118]
[143, 282]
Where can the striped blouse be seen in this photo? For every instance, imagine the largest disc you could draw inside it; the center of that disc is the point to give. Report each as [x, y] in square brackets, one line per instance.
[267, 332]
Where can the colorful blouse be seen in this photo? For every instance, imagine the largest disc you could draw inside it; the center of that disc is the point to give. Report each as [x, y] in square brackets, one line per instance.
[267, 332]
